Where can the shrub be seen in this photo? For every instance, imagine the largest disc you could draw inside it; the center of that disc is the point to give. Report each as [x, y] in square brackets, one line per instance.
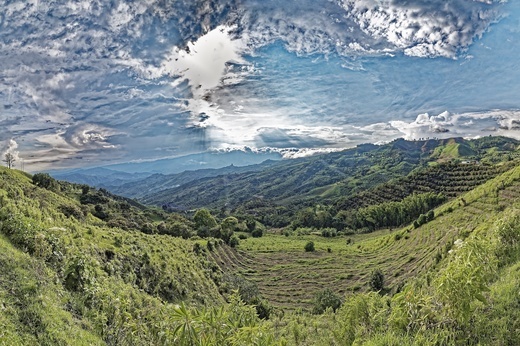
[309, 247]
[197, 248]
[99, 212]
[230, 224]
[329, 232]
[251, 224]
[233, 241]
[44, 180]
[242, 236]
[72, 210]
[203, 218]
[324, 300]
[263, 309]
[80, 273]
[377, 280]
[257, 233]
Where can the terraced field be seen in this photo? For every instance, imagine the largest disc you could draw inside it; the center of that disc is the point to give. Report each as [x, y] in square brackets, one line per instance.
[450, 179]
[289, 277]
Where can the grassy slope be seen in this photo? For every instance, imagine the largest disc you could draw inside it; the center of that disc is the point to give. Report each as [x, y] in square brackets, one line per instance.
[127, 280]
[33, 306]
[64, 281]
[289, 277]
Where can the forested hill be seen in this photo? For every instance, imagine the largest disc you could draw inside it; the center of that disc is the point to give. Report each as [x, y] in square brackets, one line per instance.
[331, 178]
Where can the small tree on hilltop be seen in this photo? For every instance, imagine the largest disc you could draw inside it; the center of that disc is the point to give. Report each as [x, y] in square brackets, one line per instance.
[9, 159]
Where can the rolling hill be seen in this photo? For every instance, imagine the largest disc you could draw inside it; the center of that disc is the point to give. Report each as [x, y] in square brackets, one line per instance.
[80, 265]
[353, 177]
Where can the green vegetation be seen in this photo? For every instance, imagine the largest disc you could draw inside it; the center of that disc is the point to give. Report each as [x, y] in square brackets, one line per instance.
[377, 281]
[355, 178]
[427, 266]
[309, 247]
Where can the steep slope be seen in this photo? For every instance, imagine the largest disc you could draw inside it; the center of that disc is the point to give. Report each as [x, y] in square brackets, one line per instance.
[67, 277]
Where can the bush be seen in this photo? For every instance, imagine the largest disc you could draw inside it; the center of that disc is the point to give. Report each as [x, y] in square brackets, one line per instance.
[242, 236]
[324, 300]
[309, 247]
[72, 210]
[257, 233]
[329, 232]
[80, 273]
[197, 248]
[251, 224]
[233, 241]
[263, 309]
[377, 281]
[44, 180]
[203, 218]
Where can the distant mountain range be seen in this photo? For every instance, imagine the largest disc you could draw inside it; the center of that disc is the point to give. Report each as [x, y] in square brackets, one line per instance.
[280, 188]
[113, 176]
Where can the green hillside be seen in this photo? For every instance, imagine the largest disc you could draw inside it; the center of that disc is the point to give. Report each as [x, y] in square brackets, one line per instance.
[453, 280]
[76, 279]
[279, 191]
[280, 266]
[79, 265]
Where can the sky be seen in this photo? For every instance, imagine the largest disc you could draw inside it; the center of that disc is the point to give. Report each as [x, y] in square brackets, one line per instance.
[89, 83]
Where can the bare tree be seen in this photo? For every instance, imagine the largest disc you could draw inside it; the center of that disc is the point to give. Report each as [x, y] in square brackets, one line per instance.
[9, 160]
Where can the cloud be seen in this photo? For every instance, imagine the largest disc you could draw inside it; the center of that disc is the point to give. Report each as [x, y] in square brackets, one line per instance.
[204, 64]
[433, 28]
[93, 63]
[470, 124]
[12, 147]
[97, 80]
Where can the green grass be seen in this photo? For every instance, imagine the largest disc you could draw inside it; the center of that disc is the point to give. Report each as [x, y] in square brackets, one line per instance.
[65, 281]
[289, 277]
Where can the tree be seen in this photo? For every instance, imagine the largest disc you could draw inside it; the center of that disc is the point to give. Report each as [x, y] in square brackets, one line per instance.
[9, 160]
[229, 223]
[203, 218]
[44, 180]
